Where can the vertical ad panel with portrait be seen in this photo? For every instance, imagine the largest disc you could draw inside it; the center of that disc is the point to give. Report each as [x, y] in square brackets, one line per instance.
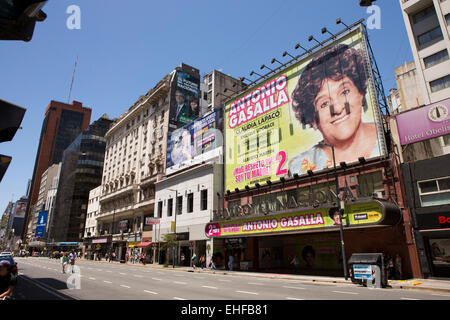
[291, 123]
[184, 102]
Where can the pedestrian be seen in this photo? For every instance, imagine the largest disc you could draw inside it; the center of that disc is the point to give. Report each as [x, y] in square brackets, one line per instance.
[212, 263]
[8, 280]
[398, 267]
[296, 262]
[113, 256]
[230, 262]
[141, 258]
[391, 268]
[64, 262]
[194, 260]
[144, 256]
[72, 258]
[202, 260]
[182, 258]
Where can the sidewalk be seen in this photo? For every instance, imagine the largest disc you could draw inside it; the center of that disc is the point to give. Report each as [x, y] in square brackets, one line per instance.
[441, 286]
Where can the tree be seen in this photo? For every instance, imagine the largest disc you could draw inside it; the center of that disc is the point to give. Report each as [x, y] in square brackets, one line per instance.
[168, 242]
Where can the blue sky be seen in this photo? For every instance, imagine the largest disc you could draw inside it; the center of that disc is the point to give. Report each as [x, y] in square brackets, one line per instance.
[126, 47]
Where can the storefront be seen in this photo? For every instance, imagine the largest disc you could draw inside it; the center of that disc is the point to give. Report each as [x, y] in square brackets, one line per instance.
[270, 242]
[428, 194]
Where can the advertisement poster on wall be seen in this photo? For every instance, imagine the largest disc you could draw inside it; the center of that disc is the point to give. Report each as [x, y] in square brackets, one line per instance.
[184, 105]
[41, 224]
[196, 142]
[20, 210]
[290, 123]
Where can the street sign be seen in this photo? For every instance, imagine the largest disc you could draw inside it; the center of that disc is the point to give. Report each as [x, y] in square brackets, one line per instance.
[362, 271]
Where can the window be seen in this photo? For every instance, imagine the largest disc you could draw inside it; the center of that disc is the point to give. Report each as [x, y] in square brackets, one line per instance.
[204, 199]
[422, 15]
[179, 204]
[425, 38]
[447, 19]
[436, 58]
[169, 207]
[190, 202]
[434, 192]
[440, 83]
[446, 140]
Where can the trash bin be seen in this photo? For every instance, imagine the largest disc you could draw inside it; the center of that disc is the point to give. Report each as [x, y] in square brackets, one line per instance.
[368, 269]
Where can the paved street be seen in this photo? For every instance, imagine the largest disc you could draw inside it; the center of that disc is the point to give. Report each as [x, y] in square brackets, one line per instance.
[41, 278]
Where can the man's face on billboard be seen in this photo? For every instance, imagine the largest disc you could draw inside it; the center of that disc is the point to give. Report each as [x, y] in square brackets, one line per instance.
[179, 97]
[341, 126]
[336, 218]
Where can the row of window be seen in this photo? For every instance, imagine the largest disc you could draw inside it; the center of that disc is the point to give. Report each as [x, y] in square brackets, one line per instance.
[179, 204]
[434, 192]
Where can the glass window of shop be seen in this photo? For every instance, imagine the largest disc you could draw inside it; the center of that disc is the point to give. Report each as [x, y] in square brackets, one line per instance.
[440, 252]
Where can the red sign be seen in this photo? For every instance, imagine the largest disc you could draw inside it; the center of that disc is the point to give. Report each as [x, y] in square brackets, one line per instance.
[151, 220]
[443, 220]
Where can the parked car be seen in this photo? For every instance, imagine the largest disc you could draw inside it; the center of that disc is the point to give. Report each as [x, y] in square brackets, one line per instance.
[12, 263]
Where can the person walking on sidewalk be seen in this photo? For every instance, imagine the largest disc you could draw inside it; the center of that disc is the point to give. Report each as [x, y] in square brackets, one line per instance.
[398, 267]
[72, 258]
[296, 262]
[64, 262]
[212, 263]
[202, 261]
[194, 260]
[230, 262]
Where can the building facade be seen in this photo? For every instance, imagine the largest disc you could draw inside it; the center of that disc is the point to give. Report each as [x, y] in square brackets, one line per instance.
[81, 171]
[62, 124]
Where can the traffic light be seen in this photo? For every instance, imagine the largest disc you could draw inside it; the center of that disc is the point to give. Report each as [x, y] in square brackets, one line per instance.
[11, 116]
[18, 18]
[366, 3]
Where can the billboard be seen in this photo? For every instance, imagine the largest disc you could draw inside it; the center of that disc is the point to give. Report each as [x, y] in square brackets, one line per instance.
[41, 224]
[198, 141]
[424, 123]
[291, 122]
[184, 102]
[20, 210]
[319, 218]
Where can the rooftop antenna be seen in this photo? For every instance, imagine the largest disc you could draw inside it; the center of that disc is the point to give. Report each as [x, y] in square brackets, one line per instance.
[73, 78]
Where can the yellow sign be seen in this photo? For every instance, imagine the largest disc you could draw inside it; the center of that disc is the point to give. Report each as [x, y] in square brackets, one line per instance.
[172, 226]
[133, 244]
[289, 123]
[362, 213]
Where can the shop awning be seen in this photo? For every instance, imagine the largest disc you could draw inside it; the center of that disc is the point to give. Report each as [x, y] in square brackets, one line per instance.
[143, 244]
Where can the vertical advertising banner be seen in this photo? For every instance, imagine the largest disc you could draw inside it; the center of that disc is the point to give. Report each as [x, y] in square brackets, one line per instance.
[193, 143]
[184, 105]
[41, 224]
[291, 123]
[20, 210]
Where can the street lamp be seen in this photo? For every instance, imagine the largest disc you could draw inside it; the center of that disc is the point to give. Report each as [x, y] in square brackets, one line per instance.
[341, 211]
[175, 224]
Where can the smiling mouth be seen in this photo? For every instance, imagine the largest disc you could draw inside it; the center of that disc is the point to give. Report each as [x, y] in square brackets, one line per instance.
[341, 119]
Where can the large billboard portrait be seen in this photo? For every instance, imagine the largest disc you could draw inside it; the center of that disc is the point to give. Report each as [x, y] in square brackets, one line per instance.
[291, 123]
[20, 210]
[184, 105]
[198, 141]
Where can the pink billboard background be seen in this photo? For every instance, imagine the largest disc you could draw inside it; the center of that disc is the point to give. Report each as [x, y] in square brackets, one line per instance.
[424, 123]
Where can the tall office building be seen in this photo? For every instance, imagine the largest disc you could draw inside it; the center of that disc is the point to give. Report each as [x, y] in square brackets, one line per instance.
[62, 124]
[81, 171]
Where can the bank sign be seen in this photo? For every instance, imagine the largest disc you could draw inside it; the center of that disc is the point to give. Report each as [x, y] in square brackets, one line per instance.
[424, 123]
[320, 218]
[41, 224]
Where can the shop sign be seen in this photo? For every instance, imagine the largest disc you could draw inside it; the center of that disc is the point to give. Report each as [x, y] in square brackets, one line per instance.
[123, 225]
[132, 244]
[315, 198]
[444, 220]
[151, 220]
[104, 240]
[362, 271]
[296, 221]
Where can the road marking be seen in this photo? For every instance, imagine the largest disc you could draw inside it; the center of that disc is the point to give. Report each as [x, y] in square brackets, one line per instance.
[107, 281]
[247, 292]
[179, 282]
[122, 273]
[199, 278]
[138, 276]
[122, 285]
[290, 298]
[256, 284]
[225, 280]
[150, 292]
[345, 292]
[288, 287]
[409, 299]
[91, 278]
[108, 271]
[157, 279]
[176, 298]
[440, 295]
[209, 287]
[99, 269]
